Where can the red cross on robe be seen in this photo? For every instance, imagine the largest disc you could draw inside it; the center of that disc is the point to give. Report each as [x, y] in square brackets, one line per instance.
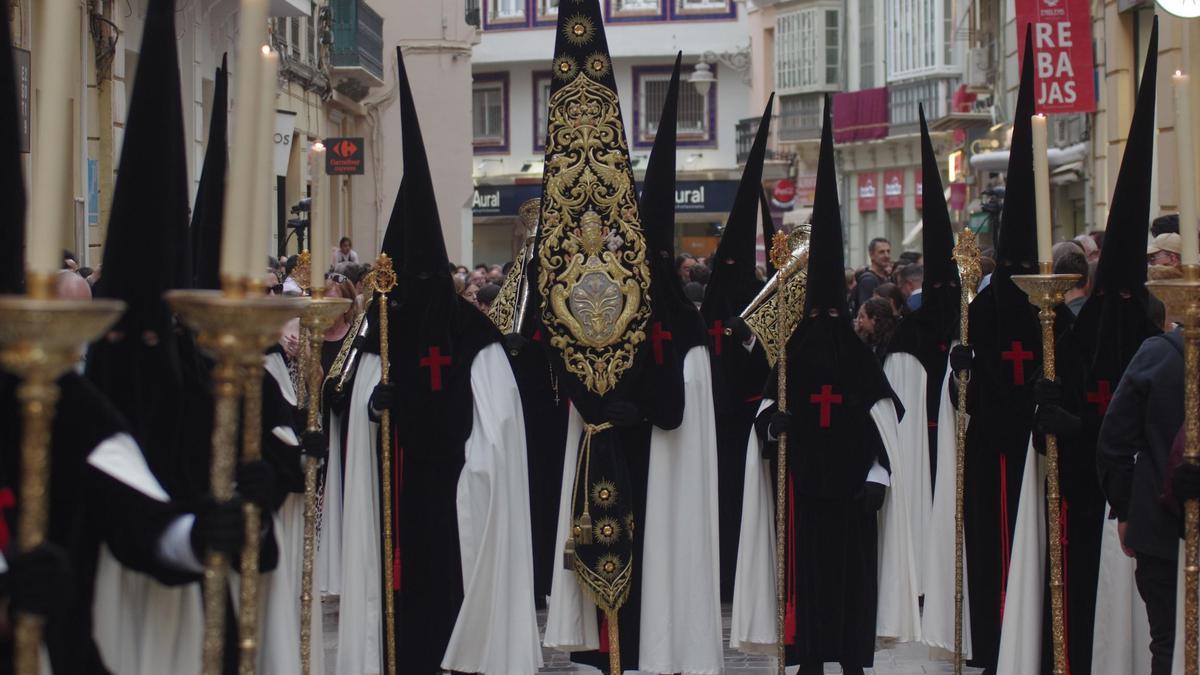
[435, 362]
[826, 399]
[1101, 396]
[1018, 355]
[718, 335]
[657, 337]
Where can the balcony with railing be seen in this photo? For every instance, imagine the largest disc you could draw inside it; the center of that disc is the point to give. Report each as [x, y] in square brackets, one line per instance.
[356, 56]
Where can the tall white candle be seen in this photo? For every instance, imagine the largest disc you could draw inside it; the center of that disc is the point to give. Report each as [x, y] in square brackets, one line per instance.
[1187, 171]
[239, 212]
[50, 204]
[318, 242]
[259, 236]
[1041, 189]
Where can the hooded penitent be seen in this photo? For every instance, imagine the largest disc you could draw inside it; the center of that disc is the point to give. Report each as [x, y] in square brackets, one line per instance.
[738, 372]
[929, 332]
[1092, 357]
[209, 213]
[433, 338]
[1007, 343]
[145, 254]
[833, 383]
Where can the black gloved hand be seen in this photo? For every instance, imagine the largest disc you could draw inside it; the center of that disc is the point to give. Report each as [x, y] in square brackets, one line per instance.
[256, 482]
[873, 494]
[314, 444]
[1185, 483]
[622, 413]
[1047, 392]
[514, 343]
[385, 397]
[40, 580]
[960, 358]
[781, 423]
[738, 329]
[219, 528]
[1052, 418]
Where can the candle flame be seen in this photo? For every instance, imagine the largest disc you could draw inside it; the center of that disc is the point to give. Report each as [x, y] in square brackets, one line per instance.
[1179, 73]
[266, 49]
[318, 147]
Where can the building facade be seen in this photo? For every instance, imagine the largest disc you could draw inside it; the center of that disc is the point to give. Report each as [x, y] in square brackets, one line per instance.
[337, 79]
[511, 71]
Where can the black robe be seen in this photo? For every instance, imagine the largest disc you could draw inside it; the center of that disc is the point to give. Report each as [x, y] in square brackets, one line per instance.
[87, 508]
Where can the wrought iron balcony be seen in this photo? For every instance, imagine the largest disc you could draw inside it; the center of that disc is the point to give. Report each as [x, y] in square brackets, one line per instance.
[356, 57]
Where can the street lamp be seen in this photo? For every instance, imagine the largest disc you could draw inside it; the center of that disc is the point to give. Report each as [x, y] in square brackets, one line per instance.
[702, 78]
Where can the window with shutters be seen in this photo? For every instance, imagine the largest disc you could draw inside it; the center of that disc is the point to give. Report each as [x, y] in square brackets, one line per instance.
[920, 39]
[541, 108]
[696, 113]
[489, 112]
[808, 48]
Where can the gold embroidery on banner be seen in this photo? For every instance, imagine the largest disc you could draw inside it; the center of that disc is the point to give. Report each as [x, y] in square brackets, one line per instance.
[565, 67]
[607, 531]
[598, 65]
[593, 270]
[579, 30]
[604, 494]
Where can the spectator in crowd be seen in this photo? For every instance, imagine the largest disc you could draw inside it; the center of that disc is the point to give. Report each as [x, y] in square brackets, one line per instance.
[1165, 250]
[875, 324]
[909, 280]
[911, 258]
[891, 292]
[1165, 225]
[291, 287]
[694, 292]
[460, 283]
[495, 275]
[1087, 246]
[462, 269]
[700, 274]
[486, 296]
[1069, 259]
[481, 269]
[880, 252]
[345, 253]
[471, 294]
[478, 277]
[1098, 237]
[683, 265]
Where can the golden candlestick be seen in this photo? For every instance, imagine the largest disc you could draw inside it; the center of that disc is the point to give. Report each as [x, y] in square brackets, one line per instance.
[1045, 292]
[319, 314]
[234, 329]
[966, 254]
[780, 252]
[39, 341]
[382, 279]
[1182, 298]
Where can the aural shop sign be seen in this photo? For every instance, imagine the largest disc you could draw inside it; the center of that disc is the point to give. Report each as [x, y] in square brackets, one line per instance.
[1062, 54]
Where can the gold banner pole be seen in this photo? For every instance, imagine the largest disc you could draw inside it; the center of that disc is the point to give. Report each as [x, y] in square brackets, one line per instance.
[318, 316]
[1045, 291]
[966, 254]
[252, 374]
[780, 252]
[1182, 298]
[39, 340]
[383, 279]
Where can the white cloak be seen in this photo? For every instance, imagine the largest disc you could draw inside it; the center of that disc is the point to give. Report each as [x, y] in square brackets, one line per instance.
[496, 629]
[1121, 636]
[937, 619]
[1021, 627]
[910, 382]
[681, 605]
[753, 627]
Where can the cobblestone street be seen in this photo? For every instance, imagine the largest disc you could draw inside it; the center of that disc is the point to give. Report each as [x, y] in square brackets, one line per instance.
[902, 660]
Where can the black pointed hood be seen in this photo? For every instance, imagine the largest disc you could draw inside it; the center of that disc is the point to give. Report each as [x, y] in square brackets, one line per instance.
[937, 236]
[414, 238]
[209, 214]
[826, 290]
[1016, 246]
[768, 230]
[733, 283]
[12, 184]
[137, 365]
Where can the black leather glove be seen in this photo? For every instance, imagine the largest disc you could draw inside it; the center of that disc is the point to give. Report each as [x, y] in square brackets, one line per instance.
[1054, 419]
[781, 423]
[314, 444]
[622, 413]
[1047, 392]
[256, 482]
[1185, 483]
[385, 397]
[514, 343]
[219, 528]
[873, 494]
[738, 329]
[960, 358]
[40, 580]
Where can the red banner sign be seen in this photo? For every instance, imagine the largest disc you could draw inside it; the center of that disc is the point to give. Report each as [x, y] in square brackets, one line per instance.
[868, 195]
[893, 189]
[1062, 53]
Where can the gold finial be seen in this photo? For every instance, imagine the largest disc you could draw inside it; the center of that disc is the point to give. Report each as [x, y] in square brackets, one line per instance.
[780, 250]
[966, 254]
[382, 277]
[529, 213]
[303, 272]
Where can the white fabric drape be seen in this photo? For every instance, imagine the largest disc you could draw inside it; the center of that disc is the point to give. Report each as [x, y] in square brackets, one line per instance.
[1021, 627]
